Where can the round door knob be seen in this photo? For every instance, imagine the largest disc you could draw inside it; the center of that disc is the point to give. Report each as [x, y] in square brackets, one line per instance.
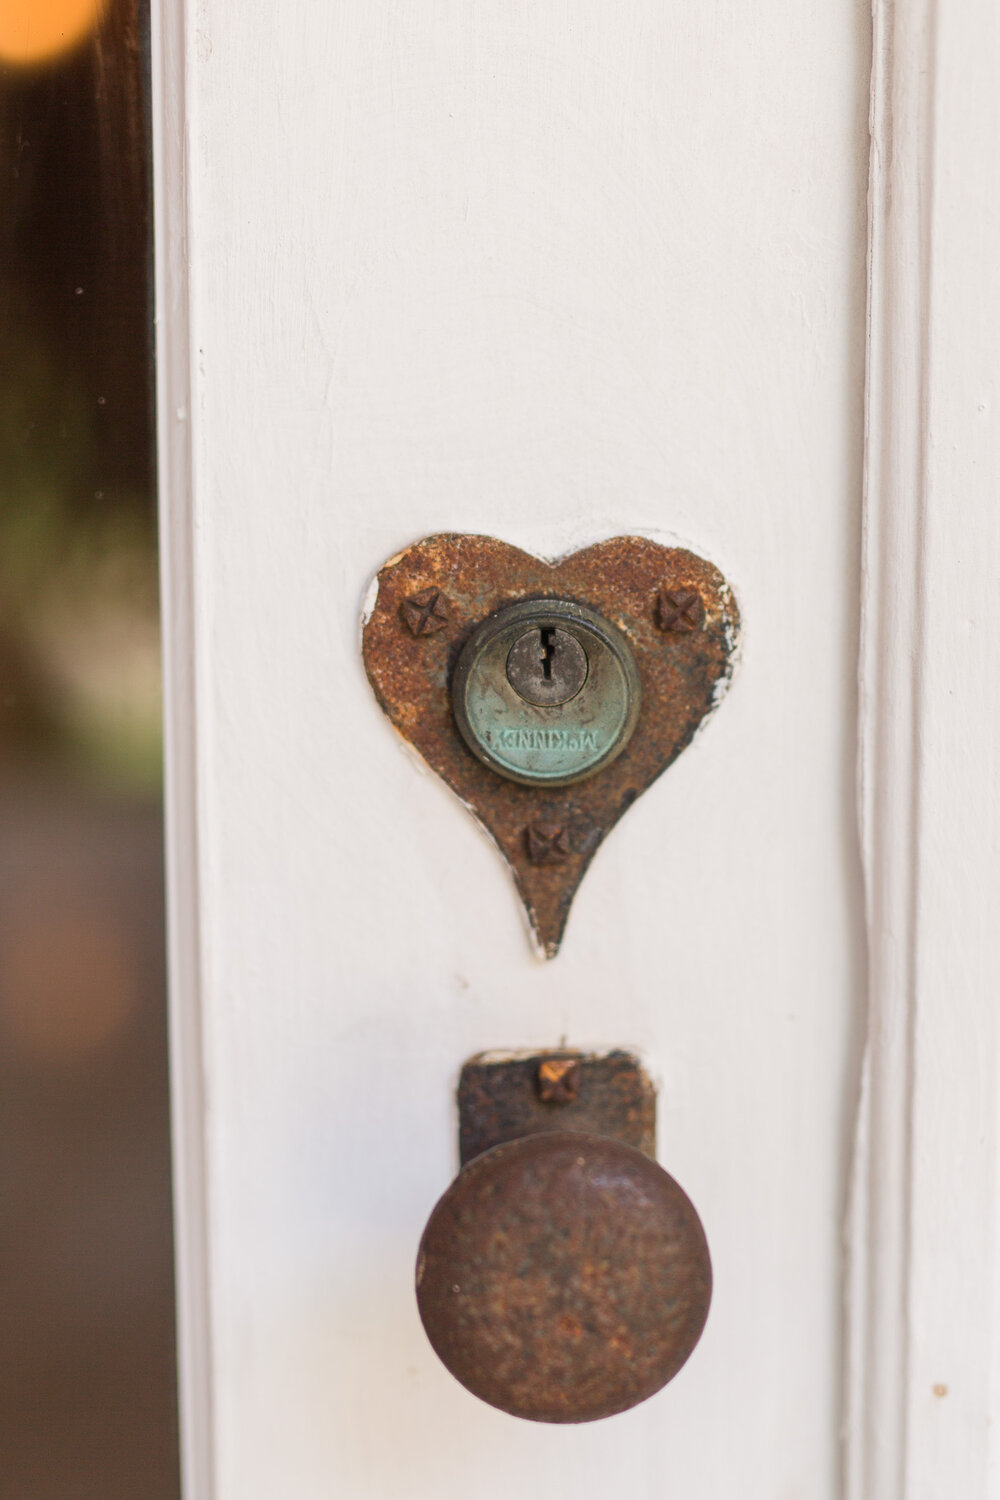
[563, 1277]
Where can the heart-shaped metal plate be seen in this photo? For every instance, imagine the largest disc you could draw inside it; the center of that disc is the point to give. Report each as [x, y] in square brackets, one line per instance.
[676, 611]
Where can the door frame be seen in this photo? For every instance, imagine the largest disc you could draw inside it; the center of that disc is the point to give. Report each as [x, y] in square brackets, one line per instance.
[923, 1341]
[923, 1258]
[169, 26]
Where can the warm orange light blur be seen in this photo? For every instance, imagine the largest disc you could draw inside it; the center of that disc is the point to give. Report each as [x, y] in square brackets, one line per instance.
[31, 31]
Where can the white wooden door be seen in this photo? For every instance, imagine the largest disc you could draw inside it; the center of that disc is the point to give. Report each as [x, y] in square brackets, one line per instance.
[555, 272]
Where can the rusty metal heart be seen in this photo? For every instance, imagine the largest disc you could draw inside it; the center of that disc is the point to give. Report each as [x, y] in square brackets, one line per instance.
[676, 611]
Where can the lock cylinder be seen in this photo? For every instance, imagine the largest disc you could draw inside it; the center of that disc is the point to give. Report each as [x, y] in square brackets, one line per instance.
[546, 692]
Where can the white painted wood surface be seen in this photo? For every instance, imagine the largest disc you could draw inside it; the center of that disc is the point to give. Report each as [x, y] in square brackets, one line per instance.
[553, 271]
[925, 1236]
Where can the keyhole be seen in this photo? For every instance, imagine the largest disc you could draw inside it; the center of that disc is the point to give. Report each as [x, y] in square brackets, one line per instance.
[548, 650]
[561, 658]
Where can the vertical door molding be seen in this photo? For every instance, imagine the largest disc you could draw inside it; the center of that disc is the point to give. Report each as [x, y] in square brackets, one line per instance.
[924, 1241]
[171, 136]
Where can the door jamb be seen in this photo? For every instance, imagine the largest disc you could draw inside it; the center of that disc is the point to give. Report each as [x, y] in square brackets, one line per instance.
[174, 388]
[923, 1232]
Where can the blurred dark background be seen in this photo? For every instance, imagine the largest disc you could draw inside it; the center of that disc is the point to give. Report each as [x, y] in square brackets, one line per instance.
[87, 1379]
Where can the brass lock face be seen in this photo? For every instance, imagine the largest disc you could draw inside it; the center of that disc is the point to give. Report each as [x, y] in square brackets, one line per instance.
[546, 692]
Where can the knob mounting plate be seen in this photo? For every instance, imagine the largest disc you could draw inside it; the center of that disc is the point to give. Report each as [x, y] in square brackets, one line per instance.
[503, 1096]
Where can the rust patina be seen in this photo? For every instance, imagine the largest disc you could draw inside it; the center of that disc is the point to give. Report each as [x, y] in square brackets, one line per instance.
[563, 1277]
[680, 619]
[502, 1098]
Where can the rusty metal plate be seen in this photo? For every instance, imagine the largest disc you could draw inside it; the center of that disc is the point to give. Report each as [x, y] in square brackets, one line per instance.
[504, 1098]
[680, 619]
[563, 1277]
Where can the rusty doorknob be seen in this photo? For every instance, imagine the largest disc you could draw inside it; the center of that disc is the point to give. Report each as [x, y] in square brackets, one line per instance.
[563, 1277]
